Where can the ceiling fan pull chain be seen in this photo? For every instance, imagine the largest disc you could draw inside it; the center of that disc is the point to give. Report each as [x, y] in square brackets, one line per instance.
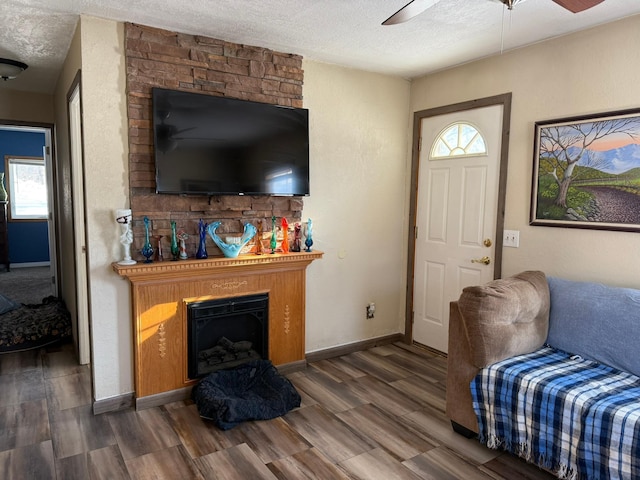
[502, 31]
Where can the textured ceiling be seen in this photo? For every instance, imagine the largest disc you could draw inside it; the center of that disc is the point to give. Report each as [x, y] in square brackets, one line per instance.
[342, 32]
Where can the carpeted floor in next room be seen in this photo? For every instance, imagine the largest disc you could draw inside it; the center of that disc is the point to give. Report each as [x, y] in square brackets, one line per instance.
[30, 316]
[28, 285]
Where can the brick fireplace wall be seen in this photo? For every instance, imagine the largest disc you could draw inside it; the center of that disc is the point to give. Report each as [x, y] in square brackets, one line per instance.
[159, 58]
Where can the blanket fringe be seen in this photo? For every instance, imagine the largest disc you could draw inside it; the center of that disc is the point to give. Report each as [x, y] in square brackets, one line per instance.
[524, 451]
[565, 473]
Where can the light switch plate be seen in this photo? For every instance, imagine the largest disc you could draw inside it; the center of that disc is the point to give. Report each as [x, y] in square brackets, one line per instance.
[511, 238]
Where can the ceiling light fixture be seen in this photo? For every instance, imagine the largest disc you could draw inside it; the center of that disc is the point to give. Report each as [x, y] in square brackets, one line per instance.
[10, 69]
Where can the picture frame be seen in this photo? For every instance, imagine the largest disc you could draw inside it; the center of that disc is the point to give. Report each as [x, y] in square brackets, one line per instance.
[586, 172]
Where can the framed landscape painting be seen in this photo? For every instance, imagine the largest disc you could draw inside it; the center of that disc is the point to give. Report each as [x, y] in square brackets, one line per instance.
[586, 172]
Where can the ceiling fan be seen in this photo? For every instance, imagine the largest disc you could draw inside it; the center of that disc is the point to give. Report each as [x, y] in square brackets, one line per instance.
[416, 7]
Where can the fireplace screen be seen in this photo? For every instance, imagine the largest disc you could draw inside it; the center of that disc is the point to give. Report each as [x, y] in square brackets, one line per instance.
[227, 332]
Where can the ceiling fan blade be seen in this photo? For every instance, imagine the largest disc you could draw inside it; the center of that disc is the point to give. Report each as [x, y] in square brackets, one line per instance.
[576, 6]
[410, 10]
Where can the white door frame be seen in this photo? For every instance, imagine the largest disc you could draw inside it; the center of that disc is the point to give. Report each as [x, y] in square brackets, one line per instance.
[51, 221]
[76, 154]
[505, 101]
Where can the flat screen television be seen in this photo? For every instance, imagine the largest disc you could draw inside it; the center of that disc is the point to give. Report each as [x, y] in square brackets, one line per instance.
[208, 145]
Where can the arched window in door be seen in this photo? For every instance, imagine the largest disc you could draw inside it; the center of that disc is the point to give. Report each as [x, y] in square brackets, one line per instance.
[458, 140]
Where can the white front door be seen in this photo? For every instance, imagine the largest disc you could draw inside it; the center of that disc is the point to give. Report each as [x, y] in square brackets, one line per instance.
[459, 168]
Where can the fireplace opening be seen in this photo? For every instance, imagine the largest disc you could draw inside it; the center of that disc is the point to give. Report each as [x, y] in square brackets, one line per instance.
[226, 332]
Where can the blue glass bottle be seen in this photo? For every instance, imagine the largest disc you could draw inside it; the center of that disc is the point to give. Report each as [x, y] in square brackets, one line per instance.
[147, 249]
[309, 240]
[201, 254]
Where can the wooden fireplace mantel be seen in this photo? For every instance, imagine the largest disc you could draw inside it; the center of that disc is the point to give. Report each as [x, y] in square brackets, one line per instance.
[161, 291]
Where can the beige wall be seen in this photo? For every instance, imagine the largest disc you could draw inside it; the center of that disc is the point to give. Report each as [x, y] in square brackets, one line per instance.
[106, 189]
[25, 106]
[588, 72]
[97, 49]
[358, 138]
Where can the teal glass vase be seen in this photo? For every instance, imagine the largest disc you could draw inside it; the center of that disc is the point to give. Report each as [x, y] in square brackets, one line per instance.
[231, 250]
[147, 249]
[309, 240]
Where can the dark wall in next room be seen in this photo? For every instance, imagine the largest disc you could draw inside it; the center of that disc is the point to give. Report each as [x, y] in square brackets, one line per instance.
[28, 240]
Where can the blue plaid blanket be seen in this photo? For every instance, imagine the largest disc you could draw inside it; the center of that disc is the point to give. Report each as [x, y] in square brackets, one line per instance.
[575, 417]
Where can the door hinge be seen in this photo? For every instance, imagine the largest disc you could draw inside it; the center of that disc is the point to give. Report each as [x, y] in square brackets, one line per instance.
[415, 232]
[420, 144]
[413, 317]
[47, 150]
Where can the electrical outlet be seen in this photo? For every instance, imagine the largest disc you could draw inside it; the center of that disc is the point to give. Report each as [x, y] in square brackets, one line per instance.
[371, 310]
[511, 238]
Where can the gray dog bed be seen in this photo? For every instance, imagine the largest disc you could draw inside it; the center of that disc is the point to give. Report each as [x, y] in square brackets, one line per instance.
[252, 391]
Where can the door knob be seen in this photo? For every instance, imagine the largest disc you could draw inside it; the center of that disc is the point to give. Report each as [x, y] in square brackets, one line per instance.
[485, 260]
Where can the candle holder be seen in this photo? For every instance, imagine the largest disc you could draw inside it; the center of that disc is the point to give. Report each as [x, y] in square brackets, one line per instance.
[123, 217]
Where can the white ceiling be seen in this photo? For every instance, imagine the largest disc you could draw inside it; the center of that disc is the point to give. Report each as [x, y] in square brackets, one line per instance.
[343, 32]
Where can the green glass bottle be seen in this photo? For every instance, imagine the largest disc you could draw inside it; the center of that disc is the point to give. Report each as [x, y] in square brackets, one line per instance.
[175, 251]
[273, 234]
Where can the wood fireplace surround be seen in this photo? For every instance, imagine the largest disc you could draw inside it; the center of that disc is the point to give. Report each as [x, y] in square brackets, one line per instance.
[161, 292]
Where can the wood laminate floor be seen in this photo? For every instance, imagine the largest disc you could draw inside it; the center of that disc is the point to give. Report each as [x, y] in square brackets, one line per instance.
[375, 414]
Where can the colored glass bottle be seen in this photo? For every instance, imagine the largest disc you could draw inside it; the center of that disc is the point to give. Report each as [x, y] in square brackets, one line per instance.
[259, 248]
[147, 249]
[309, 240]
[274, 241]
[285, 235]
[201, 254]
[175, 251]
[296, 238]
